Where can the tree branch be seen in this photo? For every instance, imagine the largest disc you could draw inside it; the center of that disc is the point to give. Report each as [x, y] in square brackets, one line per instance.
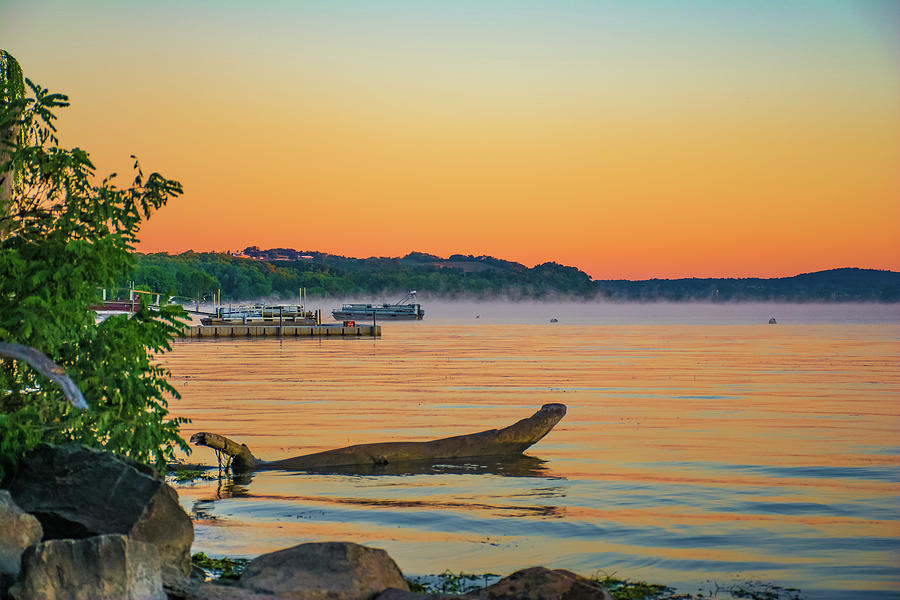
[47, 367]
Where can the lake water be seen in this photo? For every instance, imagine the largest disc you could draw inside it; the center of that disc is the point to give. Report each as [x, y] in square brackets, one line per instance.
[701, 445]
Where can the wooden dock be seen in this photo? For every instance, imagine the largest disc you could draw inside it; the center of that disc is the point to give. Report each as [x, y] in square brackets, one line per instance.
[237, 331]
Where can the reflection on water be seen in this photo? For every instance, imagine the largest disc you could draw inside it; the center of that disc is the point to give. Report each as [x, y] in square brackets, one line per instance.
[512, 466]
[689, 452]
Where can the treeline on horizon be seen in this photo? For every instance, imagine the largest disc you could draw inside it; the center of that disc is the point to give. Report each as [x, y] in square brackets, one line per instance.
[281, 272]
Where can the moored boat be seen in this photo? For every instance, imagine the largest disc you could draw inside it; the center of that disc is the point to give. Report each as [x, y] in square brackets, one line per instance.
[404, 309]
[260, 314]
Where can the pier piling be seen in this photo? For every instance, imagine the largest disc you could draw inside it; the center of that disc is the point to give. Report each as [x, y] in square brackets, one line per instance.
[216, 331]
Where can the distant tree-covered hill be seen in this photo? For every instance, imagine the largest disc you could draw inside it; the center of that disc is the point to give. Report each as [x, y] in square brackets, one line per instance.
[835, 285]
[281, 272]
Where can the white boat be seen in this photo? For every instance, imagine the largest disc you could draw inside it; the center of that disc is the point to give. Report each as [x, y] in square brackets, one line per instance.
[404, 310]
[260, 314]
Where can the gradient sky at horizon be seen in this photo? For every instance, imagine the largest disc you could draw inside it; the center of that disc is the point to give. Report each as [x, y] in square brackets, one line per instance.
[629, 139]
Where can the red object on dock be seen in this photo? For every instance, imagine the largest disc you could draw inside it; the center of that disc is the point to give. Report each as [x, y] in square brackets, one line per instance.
[118, 305]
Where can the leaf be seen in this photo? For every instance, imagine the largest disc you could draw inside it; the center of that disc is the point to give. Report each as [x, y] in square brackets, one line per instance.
[76, 238]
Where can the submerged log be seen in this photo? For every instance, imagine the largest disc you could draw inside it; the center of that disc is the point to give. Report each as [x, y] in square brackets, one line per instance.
[510, 440]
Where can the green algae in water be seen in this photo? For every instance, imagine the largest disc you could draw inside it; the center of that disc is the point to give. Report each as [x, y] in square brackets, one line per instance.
[188, 475]
[220, 568]
[620, 589]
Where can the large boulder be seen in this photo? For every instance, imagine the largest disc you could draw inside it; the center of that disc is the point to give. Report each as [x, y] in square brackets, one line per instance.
[395, 594]
[541, 583]
[197, 590]
[324, 571]
[106, 567]
[78, 492]
[18, 530]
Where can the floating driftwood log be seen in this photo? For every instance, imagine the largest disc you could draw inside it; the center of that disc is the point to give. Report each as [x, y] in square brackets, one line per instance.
[508, 441]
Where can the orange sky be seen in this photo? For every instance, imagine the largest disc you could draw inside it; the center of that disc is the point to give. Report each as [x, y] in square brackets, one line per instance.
[654, 139]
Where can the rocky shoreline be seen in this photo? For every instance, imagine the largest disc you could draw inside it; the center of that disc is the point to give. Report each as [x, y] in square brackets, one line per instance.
[80, 524]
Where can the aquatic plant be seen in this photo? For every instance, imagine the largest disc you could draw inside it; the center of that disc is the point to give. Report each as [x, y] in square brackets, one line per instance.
[220, 568]
[449, 582]
[188, 475]
[624, 589]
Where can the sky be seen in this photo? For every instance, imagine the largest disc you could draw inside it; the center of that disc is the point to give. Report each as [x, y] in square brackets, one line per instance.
[686, 138]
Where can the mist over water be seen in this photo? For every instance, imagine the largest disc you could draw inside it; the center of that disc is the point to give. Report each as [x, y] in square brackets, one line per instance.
[700, 442]
[442, 311]
[686, 313]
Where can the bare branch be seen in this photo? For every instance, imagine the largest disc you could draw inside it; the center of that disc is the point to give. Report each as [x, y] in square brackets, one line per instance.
[47, 367]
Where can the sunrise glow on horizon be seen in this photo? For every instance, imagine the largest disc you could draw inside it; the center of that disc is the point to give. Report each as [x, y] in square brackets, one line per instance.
[631, 140]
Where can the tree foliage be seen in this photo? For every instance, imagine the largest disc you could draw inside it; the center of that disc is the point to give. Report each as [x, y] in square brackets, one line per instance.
[328, 275]
[12, 83]
[279, 272]
[69, 236]
[12, 89]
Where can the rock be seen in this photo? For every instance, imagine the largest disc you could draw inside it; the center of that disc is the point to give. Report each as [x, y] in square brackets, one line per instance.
[324, 571]
[105, 567]
[211, 591]
[78, 492]
[197, 573]
[18, 530]
[395, 594]
[196, 590]
[541, 583]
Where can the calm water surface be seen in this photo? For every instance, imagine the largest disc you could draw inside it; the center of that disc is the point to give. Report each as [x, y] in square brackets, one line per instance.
[701, 444]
